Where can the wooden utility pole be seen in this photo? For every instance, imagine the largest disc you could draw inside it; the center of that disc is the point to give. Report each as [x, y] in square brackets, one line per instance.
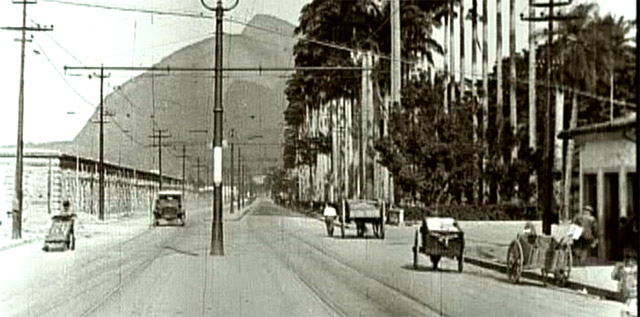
[101, 164]
[183, 157]
[18, 193]
[532, 80]
[231, 182]
[239, 176]
[160, 136]
[545, 179]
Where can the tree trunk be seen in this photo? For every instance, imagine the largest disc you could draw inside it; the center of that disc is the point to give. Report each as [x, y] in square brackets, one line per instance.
[446, 64]
[499, 102]
[485, 100]
[452, 54]
[513, 111]
[462, 59]
[474, 90]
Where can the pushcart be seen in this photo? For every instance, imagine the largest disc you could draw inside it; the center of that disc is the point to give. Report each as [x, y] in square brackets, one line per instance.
[529, 251]
[61, 235]
[440, 237]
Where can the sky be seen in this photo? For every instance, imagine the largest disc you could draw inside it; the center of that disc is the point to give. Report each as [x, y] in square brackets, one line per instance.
[58, 103]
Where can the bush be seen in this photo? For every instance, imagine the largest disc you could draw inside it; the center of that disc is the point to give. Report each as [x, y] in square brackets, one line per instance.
[473, 212]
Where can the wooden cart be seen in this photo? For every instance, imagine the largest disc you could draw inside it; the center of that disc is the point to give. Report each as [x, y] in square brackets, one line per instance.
[529, 251]
[362, 212]
[440, 237]
[61, 235]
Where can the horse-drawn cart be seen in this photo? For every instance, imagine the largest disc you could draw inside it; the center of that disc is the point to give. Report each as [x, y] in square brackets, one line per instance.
[529, 251]
[362, 212]
[441, 237]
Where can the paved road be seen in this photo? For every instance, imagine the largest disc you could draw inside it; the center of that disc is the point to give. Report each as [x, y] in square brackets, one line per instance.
[276, 263]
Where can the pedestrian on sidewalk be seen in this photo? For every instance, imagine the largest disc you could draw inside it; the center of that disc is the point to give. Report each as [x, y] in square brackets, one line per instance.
[588, 240]
[329, 213]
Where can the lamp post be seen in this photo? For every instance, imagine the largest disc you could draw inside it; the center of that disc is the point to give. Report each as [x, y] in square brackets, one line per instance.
[217, 246]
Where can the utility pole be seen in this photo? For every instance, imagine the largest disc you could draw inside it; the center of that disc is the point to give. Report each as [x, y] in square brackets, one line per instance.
[545, 181]
[184, 157]
[160, 136]
[231, 182]
[532, 80]
[217, 245]
[101, 164]
[18, 196]
[239, 176]
[198, 166]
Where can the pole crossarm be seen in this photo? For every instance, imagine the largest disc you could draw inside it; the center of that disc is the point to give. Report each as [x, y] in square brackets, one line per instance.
[27, 28]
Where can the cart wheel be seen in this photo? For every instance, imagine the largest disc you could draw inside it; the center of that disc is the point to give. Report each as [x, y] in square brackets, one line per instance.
[562, 275]
[434, 260]
[460, 263]
[415, 251]
[514, 262]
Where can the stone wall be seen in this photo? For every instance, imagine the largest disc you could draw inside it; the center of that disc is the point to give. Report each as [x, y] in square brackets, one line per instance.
[51, 177]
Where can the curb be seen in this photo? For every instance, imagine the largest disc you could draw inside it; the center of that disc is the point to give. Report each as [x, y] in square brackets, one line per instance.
[20, 243]
[592, 290]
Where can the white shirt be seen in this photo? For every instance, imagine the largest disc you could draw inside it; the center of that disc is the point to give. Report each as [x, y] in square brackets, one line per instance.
[329, 211]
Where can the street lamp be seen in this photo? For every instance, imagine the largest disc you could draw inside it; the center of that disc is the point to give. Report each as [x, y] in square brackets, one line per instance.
[217, 246]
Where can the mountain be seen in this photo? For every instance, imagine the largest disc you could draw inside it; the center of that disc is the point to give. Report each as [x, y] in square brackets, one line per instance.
[182, 101]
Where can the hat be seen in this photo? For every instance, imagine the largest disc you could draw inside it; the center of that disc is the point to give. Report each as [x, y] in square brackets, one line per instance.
[587, 208]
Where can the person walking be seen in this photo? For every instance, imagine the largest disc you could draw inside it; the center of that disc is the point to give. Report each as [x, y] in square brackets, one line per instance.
[588, 240]
[330, 214]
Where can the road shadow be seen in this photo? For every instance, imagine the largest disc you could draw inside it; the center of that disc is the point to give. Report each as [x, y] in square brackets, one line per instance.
[428, 268]
[354, 237]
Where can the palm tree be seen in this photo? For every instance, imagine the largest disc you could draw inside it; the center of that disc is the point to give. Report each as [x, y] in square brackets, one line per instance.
[485, 98]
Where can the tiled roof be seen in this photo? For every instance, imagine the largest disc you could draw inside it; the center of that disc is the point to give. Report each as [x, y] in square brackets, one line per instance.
[615, 125]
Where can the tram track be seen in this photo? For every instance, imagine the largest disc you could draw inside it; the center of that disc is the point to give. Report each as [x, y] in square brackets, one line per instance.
[344, 288]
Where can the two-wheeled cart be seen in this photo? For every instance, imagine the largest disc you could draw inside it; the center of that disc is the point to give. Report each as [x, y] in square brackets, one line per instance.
[61, 235]
[437, 238]
[529, 251]
[362, 212]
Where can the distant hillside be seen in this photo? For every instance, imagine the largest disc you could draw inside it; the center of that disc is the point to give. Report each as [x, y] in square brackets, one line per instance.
[253, 104]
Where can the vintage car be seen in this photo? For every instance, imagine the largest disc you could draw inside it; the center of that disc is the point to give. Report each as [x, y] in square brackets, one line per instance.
[169, 208]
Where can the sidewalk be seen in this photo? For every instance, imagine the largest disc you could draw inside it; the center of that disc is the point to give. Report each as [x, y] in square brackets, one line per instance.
[87, 226]
[487, 244]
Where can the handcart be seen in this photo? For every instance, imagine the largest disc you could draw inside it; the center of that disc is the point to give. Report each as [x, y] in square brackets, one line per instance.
[61, 235]
[440, 237]
[530, 251]
[362, 212]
